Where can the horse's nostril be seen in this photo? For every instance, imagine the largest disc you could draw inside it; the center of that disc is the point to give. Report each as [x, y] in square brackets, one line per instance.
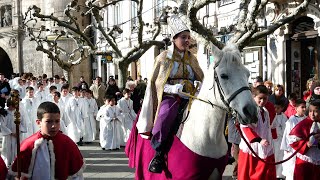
[250, 114]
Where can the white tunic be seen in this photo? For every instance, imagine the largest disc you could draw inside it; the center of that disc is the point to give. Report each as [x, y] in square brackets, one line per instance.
[288, 166]
[110, 127]
[64, 101]
[41, 96]
[126, 105]
[76, 114]
[90, 123]
[43, 168]
[28, 107]
[9, 142]
[279, 123]
[264, 132]
[63, 126]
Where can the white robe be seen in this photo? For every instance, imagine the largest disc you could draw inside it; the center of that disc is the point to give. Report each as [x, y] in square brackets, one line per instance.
[63, 101]
[128, 117]
[279, 123]
[90, 123]
[9, 142]
[63, 126]
[110, 127]
[28, 108]
[76, 113]
[264, 131]
[288, 166]
[43, 167]
[41, 96]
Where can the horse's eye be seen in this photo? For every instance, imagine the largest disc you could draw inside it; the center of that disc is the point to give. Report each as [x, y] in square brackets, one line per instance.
[224, 76]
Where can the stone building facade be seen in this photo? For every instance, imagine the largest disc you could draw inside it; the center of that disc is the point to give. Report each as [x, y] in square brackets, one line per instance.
[18, 54]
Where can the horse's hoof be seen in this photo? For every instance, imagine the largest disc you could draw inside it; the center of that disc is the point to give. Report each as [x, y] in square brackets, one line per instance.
[156, 164]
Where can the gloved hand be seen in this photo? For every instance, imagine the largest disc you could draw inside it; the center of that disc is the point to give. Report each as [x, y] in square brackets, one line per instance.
[177, 88]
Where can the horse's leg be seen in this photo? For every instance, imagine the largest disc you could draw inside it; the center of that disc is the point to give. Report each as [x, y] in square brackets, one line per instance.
[215, 175]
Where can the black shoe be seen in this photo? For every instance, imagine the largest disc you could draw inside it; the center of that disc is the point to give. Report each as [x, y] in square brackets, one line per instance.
[231, 160]
[80, 143]
[157, 164]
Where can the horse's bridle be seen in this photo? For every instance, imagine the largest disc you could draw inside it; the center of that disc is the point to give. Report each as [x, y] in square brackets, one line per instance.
[226, 101]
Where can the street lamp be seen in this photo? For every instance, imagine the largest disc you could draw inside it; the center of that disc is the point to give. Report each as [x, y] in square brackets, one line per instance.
[311, 48]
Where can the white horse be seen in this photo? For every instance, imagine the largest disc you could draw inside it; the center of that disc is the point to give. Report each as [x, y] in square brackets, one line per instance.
[225, 87]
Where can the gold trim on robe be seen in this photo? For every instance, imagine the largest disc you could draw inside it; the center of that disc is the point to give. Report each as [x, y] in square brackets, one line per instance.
[154, 91]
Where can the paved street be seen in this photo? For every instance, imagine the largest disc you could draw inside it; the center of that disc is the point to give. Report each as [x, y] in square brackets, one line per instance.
[111, 164]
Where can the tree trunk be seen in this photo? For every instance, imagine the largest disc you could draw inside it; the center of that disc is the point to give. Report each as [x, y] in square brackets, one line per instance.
[70, 77]
[122, 74]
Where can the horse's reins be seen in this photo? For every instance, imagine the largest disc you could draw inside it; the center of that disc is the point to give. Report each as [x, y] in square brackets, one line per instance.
[263, 160]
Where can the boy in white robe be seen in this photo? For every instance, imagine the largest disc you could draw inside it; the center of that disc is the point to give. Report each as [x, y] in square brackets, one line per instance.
[279, 123]
[56, 100]
[76, 113]
[8, 130]
[28, 107]
[110, 125]
[90, 123]
[65, 97]
[40, 93]
[288, 166]
[126, 105]
[52, 89]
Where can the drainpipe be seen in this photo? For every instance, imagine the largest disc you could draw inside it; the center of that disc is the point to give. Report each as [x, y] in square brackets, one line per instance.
[19, 38]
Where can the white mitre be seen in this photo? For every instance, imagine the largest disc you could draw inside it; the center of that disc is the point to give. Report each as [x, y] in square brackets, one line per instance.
[176, 25]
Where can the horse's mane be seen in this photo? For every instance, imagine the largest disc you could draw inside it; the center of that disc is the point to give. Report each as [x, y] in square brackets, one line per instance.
[231, 48]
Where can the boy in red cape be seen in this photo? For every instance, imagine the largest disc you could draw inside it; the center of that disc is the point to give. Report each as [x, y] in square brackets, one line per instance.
[308, 157]
[259, 136]
[49, 154]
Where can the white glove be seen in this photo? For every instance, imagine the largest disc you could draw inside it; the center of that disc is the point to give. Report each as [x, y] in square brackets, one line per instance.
[177, 88]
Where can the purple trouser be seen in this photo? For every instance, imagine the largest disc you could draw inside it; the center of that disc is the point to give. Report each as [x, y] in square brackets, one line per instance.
[165, 122]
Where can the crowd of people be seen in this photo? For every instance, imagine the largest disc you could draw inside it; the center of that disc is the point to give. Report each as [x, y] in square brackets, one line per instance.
[285, 125]
[85, 111]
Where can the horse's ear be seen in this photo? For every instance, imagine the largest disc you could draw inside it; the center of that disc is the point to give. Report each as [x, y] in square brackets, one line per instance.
[216, 53]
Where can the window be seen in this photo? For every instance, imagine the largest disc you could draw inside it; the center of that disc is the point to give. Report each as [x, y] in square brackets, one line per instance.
[116, 15]
[134, 18]
[159, 5]
[226, 2]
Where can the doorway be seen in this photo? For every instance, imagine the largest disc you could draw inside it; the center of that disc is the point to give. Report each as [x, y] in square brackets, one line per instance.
[302, 56]
[6, 66]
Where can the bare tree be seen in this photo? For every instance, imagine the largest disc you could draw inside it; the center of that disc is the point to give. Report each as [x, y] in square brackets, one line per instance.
[71, 29]
[246, 30]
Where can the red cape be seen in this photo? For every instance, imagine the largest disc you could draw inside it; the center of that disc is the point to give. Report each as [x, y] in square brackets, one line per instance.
[68, 158]
[3, 170]
[302, 130]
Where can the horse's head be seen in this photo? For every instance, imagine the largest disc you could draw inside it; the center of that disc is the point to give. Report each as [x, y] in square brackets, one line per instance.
[231, 82]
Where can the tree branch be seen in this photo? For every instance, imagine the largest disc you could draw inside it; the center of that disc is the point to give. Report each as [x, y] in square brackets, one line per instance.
[141, 23]
[195, 25]
[246, 39]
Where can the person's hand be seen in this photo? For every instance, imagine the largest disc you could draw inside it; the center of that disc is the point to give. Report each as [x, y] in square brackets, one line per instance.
[3, 95]
[264, 142]
[177, 88]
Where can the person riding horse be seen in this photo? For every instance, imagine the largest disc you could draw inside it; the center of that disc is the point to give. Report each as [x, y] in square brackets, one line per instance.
[175, 71]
